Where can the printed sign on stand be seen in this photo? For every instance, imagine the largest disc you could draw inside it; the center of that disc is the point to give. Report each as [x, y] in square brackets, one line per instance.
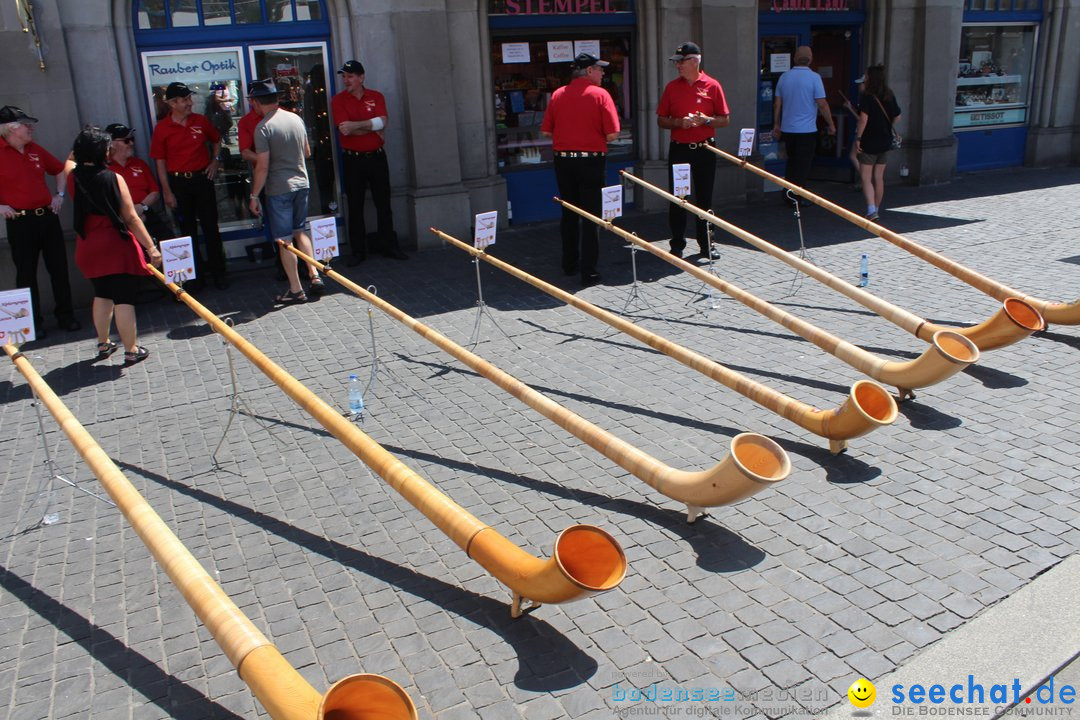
[16, 317]
[486, 225]
[746, 142]
[680, 179]
[178, 259]
[324, 238]
[612, 198]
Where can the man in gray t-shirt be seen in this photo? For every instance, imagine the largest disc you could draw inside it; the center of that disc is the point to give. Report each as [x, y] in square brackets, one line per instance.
[281, 146]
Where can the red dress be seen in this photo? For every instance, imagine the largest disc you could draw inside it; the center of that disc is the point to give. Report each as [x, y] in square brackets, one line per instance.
[100, 250]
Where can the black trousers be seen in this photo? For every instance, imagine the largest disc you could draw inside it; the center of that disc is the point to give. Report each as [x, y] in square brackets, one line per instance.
[32, 236]
[580, 181]
[196, 202]
[702, 180]
[366, 171]
[800, 149]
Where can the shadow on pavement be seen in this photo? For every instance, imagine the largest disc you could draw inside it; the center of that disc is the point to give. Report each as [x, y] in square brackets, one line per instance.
[168, 692]
[532, 639]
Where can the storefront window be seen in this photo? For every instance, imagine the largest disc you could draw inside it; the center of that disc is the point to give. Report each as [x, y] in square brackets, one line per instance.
[248, 11]
[279, 10]
[152, 14]
[993, 80]
[184, 13]
[216, 12]
[527, 70]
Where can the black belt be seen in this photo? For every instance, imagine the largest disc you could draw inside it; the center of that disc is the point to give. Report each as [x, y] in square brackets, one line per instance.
[188, 175]
[695, 145]
[578, 154]
[39, 212]
[358, 153]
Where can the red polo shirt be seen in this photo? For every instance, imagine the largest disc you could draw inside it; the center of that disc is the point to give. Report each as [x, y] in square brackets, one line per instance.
[139, 179]
[245, 130]
[346, 106]
[183, 147]
[22, 176]
[681, 98]
[580, 116]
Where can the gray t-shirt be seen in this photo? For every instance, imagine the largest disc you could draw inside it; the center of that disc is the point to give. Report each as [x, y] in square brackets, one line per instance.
[283, 134]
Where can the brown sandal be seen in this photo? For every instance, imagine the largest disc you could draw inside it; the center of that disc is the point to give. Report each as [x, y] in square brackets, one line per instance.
[291, 298]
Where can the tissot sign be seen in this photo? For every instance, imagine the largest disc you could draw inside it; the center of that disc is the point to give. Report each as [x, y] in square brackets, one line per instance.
[557, 7]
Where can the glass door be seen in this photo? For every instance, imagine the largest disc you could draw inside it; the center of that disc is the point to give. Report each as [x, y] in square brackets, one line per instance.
[299, 71]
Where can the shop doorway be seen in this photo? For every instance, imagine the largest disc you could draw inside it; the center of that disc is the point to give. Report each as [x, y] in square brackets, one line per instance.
[836, 58]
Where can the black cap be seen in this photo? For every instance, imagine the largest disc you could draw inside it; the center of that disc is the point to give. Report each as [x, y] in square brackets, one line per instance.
[177, 90]
[10, 114]
[262, 89]
[119, 131]
[687, 48]
[587, 60]
[353, 67]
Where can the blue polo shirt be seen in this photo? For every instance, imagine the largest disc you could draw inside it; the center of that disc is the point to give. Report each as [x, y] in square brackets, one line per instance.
[799, 89]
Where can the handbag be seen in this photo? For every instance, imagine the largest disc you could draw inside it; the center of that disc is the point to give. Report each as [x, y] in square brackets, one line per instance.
[897, 140]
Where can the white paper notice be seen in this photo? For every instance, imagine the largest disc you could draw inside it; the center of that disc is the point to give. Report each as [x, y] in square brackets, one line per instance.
[560, 51]
[587, 46]
[178, 259]
[486, 225]
[746, 142]
[612, 196]
[16, 317]
[515, 52]
[324, 239]
[779, 62]
[680, 179]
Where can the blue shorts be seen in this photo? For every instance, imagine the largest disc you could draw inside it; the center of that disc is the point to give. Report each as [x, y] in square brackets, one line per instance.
[286, 213]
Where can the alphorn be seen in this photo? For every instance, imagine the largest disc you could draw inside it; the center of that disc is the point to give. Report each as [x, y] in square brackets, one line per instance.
[586, 560]
[753, 463]
[284, 693]
[868, 405]
[1060, 313]
[1013, 322]
[949, 353]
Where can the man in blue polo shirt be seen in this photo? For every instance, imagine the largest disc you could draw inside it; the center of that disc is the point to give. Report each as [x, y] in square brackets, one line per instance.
[799, 99]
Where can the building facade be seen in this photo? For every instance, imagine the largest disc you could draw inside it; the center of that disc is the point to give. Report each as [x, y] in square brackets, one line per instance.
[982, 83]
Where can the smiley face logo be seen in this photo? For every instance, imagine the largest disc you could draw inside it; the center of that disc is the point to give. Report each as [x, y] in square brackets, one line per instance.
[862, 693]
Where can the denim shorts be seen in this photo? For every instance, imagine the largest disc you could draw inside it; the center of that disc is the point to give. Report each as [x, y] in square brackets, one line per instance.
[286, 213]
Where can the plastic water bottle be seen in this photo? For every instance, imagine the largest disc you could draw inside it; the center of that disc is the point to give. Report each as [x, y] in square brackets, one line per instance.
[864, 270]
[356, 397]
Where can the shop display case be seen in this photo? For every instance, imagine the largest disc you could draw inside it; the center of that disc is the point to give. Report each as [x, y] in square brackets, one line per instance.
[993, 75]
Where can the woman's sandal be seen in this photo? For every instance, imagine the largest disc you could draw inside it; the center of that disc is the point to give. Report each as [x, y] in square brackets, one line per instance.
[291, 298]
[105, 349]
[136, 356]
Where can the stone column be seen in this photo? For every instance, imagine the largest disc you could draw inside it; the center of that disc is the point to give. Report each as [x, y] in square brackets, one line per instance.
[1054, 135]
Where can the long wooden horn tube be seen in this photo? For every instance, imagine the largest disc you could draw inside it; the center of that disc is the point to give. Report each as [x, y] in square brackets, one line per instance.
[586, 560]
[868, 406]
[1053, 312]
[948, 354]
[754, 462]
[1013, 322]
[279, 687]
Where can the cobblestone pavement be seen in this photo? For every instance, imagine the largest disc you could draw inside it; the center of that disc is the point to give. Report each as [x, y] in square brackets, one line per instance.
[848, 568]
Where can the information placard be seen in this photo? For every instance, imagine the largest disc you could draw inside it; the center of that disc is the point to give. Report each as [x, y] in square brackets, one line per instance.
[587, 46]
[178, 259]
[486, 225]
[16, 317]
[680, 179]
[515, 52]
[324, 237]
[746, 142]
[612, 199]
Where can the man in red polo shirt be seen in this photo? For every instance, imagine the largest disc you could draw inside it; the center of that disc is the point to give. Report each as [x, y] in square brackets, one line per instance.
[581, 120]
[186, 146]
[144, 189]
[33, 227]
[692, 107]
[360, 116]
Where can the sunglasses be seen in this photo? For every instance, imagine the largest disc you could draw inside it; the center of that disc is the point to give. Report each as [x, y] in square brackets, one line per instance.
[127, 141]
